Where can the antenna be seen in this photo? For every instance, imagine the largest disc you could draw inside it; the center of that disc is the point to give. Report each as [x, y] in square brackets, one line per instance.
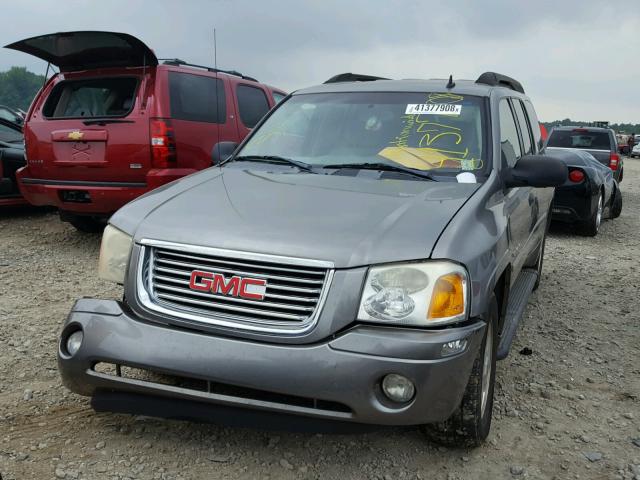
[46, 74]
[215, 66]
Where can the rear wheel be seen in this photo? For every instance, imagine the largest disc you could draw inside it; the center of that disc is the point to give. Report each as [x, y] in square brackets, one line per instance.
[615, 209]
[590, 227]
[539, 263]
[470, 424]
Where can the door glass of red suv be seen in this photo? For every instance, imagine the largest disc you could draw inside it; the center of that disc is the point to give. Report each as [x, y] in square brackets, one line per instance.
[252, 105]
[194, 98]
[92, 98]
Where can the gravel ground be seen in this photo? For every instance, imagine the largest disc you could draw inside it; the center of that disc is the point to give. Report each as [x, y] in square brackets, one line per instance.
[567, 398]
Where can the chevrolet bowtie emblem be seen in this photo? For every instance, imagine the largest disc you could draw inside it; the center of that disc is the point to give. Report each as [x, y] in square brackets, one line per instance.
[76, 135]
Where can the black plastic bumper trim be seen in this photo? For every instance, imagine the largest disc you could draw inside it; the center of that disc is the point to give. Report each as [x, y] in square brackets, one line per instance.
[192, 411]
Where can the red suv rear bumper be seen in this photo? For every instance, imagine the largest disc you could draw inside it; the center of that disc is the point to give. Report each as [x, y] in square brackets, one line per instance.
[101, 198]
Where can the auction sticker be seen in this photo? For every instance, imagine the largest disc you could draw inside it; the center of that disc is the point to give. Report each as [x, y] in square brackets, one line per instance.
[433, 109]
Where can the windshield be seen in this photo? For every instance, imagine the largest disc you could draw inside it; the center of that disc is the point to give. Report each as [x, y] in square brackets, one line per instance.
[10, 134]
[579, 138]
[439, 132]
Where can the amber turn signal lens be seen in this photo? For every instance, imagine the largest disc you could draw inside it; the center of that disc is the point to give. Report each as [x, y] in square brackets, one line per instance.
[447, 299]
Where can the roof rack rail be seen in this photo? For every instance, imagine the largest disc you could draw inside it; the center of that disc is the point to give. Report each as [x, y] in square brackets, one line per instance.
[499, 80]
[353, 77]
[178, 62]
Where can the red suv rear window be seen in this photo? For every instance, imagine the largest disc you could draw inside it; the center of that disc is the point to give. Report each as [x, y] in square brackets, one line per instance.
[92, 98]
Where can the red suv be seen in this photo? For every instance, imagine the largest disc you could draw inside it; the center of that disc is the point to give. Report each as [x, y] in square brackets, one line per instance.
[114, 123]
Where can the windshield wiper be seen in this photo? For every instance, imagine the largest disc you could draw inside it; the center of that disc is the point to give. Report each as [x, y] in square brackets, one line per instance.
[273, 159]
[387, 167]
[98, 121]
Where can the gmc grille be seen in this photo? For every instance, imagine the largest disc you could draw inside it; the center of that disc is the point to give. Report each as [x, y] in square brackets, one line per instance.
[292, 299]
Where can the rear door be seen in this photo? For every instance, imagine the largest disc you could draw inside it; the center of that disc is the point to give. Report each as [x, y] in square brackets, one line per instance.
[539, 199]
[517, 199]
[87, 50]
[90, 127]
[202, 114]
[89, 123]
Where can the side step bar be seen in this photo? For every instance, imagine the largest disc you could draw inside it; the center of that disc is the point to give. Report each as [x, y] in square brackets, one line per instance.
[518, 299]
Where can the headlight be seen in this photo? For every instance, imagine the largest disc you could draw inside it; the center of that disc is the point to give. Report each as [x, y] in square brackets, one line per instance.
[114, 254]
[420, 294]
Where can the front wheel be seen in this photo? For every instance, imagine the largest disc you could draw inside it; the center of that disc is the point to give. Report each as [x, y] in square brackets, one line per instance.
[470, 424]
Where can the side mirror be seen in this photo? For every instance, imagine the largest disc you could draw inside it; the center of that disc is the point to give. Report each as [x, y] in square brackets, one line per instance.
[536, 171]
[221, 151]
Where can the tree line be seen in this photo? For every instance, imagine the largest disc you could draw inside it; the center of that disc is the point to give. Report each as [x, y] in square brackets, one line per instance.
[18, 86]
[617, 127]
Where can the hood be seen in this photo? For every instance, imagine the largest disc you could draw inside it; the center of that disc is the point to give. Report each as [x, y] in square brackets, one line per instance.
[575, 158]
[86, 50]
[350, 221]
[10, 135]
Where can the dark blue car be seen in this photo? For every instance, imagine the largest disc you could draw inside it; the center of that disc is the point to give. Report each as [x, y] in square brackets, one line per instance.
[587, 193]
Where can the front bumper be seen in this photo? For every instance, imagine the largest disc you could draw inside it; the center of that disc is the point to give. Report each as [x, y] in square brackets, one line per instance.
[105, 197]
[338, 379]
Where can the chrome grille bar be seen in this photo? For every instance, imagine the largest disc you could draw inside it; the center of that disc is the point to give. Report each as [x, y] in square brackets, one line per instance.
[294, 293]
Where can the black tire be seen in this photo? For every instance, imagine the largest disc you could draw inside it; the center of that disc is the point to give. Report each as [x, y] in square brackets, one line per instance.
[540, 257]
[615, 209]
[470, 424]
[590, 227]
[621, 175]
[539, 262]
[86, 224]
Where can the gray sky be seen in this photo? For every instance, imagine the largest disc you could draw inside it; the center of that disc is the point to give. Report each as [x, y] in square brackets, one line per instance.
[576, 59]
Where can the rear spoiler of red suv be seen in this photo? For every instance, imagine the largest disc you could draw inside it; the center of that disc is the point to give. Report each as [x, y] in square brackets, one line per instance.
[87, 50]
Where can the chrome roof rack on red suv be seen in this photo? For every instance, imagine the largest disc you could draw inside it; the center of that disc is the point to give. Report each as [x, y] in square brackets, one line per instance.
[353, 77]
[178, 62]
[498, 80]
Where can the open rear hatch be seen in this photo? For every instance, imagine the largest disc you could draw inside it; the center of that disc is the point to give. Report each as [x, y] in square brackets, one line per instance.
[87, 50]
[89, 128]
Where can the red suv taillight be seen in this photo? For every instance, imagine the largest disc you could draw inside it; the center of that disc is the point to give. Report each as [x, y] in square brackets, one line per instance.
[614, 159]
[163, 143]
[576, 176]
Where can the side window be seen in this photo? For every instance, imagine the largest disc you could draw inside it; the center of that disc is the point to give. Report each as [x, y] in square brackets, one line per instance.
[509, 142]
[277, 97]
[535, 125]
[252, 105]
[197, 98]
[525, 128]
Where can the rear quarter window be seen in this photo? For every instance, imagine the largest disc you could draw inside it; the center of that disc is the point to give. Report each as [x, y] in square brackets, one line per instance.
[92, 98]
[525, 129]
[278, 97]
[252, 105]
[197, 98]
[535, 124]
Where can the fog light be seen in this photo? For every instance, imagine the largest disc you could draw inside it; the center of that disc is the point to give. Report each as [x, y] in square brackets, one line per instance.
[74, 341]
[398, 388]
[451, 348]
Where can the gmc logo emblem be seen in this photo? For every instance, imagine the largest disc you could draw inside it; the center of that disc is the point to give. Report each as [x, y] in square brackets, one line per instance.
[235, 286]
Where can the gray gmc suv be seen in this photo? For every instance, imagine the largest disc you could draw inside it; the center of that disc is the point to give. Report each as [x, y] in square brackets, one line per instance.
[364, 256]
